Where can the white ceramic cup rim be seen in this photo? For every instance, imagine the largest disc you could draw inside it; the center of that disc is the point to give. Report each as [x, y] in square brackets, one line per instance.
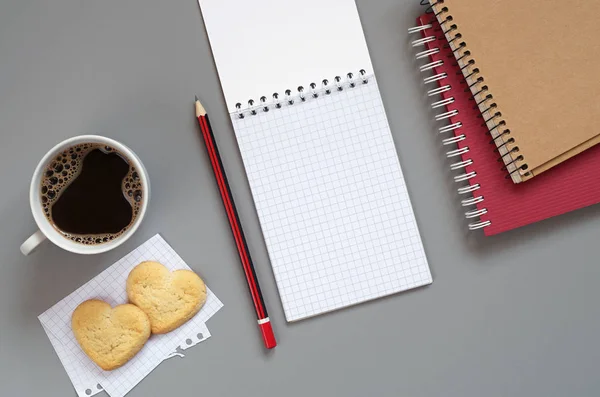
[48, 229]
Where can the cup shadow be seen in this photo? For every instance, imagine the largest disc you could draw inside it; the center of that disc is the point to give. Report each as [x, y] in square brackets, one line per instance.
[36, 282]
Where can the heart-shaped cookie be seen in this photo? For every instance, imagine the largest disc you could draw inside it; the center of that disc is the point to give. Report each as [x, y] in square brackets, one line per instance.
[110, 336]
[168, 298]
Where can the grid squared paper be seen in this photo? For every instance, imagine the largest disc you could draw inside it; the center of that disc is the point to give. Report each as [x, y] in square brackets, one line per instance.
[331, 200]
[85, 382]
[110, 287]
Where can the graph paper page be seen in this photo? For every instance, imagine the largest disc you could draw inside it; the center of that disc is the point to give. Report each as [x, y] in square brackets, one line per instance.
[86, 381]
[109, 286]
[331, 199]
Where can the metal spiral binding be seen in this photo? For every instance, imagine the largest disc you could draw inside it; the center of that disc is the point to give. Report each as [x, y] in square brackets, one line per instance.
[301, 95]
[429, 9]
[440, 88]
[514, 162]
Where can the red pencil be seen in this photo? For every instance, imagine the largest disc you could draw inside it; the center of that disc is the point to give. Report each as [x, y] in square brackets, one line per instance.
[234, 220]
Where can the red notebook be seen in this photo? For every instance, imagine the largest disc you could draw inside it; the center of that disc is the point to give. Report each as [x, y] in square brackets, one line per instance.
[491, 200]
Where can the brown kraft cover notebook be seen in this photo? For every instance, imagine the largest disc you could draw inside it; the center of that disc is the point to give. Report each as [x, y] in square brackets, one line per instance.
[532, 67]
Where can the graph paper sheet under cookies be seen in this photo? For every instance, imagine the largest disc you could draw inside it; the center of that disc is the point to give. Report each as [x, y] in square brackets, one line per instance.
[331, 200]
[86, 381]
[110, 287]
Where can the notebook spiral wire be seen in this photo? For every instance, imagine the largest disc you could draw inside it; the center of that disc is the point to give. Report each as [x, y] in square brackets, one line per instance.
[445, 114]
[429, 9]
[514, 163]
[302, 95]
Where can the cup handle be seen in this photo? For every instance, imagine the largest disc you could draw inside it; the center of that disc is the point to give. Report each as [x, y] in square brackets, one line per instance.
[32, 242]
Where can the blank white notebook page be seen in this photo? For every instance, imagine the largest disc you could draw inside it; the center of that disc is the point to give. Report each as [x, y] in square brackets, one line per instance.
[267, 46]
[331, 200]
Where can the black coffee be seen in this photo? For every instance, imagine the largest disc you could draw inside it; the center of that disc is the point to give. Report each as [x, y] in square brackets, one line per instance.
[91, 193]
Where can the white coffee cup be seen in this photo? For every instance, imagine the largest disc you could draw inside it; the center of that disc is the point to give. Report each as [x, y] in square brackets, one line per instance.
[49, 232]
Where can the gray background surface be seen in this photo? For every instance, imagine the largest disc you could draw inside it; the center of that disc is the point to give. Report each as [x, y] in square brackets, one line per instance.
[515, 314]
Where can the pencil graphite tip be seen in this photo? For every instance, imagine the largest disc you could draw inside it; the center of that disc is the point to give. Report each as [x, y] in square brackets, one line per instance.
[196, 96]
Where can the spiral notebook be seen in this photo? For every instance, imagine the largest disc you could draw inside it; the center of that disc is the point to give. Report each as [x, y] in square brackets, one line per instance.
[532, 67]
[491, 200]
[321, 163]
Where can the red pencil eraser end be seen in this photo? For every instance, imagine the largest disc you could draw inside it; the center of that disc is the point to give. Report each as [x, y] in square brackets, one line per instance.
[268, 335]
